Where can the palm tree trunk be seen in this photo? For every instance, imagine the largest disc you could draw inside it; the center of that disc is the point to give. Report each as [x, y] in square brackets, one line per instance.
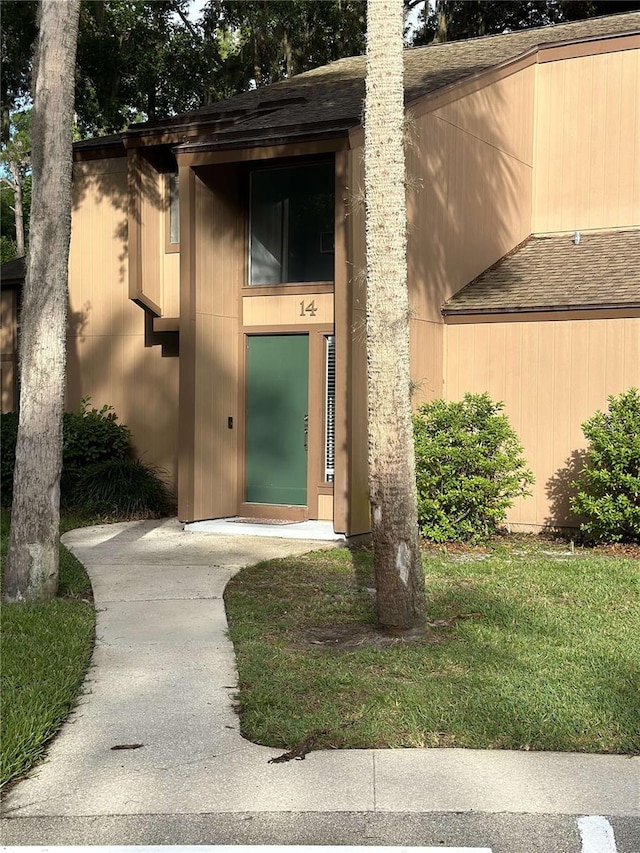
[32, 560]
[392, 483]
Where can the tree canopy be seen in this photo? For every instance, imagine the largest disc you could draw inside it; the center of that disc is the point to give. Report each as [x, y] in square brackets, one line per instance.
[450, 20]
[147, 59]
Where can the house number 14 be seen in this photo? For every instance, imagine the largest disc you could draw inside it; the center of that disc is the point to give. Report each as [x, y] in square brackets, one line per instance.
[308, 308]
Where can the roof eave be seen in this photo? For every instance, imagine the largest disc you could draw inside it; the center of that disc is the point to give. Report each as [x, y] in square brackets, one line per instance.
[539, 309]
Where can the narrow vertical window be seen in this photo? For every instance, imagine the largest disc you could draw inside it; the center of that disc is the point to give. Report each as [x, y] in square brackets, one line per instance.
[174, 209]
[330, 409]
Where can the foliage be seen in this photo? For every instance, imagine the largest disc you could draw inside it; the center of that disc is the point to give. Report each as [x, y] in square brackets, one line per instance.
[123, 488]
[142, 59]
[279, 38]
[7, 249]
[469, 468]
[15, 158]
[89, 436]
[7, 217]
[608, 487]
[18, 35]
[459, 19]
[8, 438]
[146, 59]
[526, 646]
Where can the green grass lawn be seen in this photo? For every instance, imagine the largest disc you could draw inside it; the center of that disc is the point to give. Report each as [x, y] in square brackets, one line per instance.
[46, 649]
[529, 647]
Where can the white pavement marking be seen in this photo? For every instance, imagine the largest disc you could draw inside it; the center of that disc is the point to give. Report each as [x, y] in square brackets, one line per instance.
[241, 848]
[597, 835]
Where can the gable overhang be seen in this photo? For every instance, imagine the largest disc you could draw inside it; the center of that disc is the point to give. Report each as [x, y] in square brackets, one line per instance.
[208, 153]
[538, 55]
[534, 314]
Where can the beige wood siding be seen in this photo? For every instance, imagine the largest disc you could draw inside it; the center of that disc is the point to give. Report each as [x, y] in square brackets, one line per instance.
[288, 310]
[8, 349]
[426, 352]
[352, 356]
[587, 143]
[551, 376]
[469, 169]
[154, 272]
[171, 284]
[107, 359]
[219, 262]
[152, 203]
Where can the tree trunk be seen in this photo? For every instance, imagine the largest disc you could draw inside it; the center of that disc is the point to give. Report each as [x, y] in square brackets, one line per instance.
[392, 482]
[18, 213]
[442, 11]
[32, 560]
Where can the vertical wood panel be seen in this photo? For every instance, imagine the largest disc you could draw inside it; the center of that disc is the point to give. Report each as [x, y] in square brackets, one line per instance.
[471, 203]
[171, 284]
[355, 347]
[587, 172]
[8, 349]
[106, 355]
[426, 352]
[551, 376]
[151, 234]
[217, 245]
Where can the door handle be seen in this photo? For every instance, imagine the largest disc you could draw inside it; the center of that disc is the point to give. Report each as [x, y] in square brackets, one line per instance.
[306, 432]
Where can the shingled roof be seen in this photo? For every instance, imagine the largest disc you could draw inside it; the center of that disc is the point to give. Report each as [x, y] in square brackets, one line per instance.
[13, 272]
[554, 273]
[329, 99]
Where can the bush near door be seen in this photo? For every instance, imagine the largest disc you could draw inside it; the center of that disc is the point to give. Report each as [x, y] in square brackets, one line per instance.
[469, 468]
[608, 487]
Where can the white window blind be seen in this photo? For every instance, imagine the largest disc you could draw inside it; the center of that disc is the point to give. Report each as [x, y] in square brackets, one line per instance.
[330, 409]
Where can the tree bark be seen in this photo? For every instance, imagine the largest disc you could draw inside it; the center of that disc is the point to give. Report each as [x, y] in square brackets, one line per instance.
[18, 213]
[442, 10]
[32, 560]
[392, 482]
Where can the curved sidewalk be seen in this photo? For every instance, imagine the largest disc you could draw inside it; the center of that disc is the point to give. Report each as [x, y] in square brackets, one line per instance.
[163, 676]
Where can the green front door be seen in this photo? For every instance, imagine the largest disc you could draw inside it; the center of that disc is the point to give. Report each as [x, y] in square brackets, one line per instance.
[277, 388]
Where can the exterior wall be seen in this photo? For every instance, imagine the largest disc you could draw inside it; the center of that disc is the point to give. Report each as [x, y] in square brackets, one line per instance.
[551, 376]
[154, 272]
[587, 139]
[354, 359]
[8, 349]
[469, 201]
[108, 358]
[218, 256]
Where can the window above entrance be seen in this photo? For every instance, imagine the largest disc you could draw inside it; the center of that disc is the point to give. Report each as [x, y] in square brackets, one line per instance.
[292, 225]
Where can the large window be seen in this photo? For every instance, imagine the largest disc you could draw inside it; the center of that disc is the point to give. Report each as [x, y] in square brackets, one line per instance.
[292, 225]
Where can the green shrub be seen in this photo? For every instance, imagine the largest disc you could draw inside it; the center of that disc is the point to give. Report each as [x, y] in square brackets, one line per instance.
[469, 468]
[89, 436]
[124, 488]
[608, 487]
[8, 436]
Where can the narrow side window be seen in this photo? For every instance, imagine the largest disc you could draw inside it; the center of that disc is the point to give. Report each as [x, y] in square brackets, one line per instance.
[173, 231]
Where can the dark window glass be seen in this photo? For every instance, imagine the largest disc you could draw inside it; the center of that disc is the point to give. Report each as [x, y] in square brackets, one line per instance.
[292, 224]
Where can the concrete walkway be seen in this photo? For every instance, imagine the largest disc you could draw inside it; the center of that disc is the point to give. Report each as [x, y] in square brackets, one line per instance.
[163, 676]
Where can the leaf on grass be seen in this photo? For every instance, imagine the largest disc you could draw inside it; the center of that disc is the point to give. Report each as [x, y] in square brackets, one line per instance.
[449, 623]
